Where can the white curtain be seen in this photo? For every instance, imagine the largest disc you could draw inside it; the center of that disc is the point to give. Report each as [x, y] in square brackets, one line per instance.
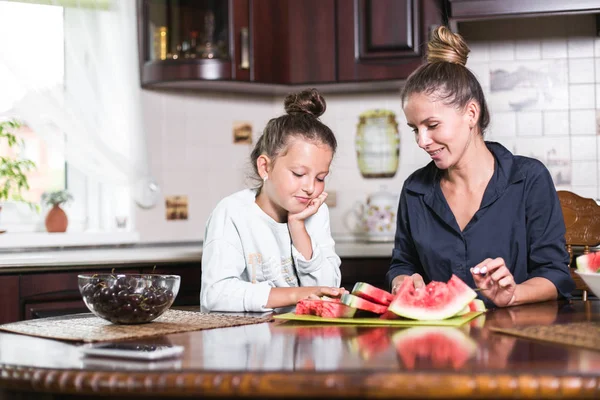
[99, 107]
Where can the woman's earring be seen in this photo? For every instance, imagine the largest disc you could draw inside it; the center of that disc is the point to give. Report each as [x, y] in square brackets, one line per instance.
[265, 178]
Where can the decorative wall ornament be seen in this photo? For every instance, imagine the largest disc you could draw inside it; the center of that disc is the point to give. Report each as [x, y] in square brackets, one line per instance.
[377, 144]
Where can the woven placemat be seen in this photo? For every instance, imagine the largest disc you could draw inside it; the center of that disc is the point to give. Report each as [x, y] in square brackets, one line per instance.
[89, 328]
[580, 334]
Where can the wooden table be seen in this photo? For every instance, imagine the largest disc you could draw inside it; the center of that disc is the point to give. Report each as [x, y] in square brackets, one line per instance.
[290, 360]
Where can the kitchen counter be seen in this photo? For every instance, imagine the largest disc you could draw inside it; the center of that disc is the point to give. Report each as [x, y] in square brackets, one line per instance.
[46, 259]
[157, 253]
[286, 359]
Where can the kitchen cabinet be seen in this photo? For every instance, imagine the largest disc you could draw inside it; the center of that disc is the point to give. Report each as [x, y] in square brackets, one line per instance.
[53, 293]
[364, 269]
[263, 41]
[9, 306]
[188, 40]
[281, 43]
[383, 39]
[464, 10]
[293, 42]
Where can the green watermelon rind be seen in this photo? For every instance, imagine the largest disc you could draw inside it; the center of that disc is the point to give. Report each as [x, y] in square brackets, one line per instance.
[437, 312]
[474, 305]
[362, 304]
[477, 305]
[372, 293]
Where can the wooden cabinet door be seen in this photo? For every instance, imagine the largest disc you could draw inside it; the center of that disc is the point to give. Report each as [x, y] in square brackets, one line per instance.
[383, 39]
[293, 42]
[9, 306]
[189, 289]
[54, 293]
[54, 309]
[371, 270]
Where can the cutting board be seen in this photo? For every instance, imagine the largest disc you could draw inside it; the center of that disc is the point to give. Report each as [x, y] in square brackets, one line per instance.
[455, 321]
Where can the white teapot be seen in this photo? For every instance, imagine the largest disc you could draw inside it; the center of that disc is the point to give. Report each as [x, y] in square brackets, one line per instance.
[377, 217]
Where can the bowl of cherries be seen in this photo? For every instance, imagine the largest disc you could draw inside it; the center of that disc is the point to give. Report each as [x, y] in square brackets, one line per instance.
[128, 298]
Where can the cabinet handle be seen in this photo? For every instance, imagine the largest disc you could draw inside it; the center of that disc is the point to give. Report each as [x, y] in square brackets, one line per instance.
[245, 47]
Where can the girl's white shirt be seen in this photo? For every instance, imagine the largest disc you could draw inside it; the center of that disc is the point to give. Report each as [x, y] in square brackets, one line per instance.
[246, 253]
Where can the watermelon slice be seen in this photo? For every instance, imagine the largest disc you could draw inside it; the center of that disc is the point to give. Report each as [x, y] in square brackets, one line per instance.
[475, 305]
[362, 304]
[439, 347]
[372, 293]
[370, 343]
[589, 262]
[331, 308]
[436, 301]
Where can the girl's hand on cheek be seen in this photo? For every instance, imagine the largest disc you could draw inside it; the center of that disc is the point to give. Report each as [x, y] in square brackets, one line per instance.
[311, 208]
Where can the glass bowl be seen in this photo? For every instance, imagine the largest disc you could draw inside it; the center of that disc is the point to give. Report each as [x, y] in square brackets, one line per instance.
[128, 298]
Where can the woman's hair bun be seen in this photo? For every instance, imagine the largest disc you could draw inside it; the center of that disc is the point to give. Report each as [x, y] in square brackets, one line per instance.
[307, 101]
[446, 46]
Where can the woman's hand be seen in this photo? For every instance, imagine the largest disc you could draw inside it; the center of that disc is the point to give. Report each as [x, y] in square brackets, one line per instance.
[417, 279]
[495, 281]
[311, 209]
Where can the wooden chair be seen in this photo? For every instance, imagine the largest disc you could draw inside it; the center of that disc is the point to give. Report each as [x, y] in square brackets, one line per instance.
[582, 220]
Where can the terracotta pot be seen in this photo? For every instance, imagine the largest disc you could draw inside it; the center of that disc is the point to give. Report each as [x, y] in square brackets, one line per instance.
[56, 220]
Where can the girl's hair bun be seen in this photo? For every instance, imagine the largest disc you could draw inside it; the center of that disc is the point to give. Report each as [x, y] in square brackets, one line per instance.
[446, 46]
[307, 101]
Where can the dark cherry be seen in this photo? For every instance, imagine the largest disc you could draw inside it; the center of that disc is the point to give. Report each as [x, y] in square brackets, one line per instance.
[116, 299]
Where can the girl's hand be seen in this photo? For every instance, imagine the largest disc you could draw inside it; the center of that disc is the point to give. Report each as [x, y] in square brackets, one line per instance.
[311, 208]
[495, 280]
[417, 279]
[319, 291]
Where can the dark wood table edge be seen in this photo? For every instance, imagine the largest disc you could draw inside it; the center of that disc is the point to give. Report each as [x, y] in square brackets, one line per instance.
[306, 384]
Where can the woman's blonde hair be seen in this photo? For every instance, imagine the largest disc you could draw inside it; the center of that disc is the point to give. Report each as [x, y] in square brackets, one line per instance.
[446, 76]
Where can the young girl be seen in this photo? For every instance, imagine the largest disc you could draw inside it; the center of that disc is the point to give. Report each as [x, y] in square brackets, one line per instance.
[271, 246]
[477, 210]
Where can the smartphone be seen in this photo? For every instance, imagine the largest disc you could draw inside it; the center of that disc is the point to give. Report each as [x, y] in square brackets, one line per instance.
[131, 350]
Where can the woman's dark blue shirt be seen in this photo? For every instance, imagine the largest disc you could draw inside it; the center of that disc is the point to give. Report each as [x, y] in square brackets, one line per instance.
[519, 219]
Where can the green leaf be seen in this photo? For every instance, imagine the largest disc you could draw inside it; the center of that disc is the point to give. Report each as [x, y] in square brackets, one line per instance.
[13, 178]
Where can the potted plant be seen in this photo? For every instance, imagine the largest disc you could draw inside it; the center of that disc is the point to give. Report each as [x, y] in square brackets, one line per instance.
[56, 220]
[13, 168]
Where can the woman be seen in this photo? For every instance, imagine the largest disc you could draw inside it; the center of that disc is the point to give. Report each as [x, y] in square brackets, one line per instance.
[476, 211]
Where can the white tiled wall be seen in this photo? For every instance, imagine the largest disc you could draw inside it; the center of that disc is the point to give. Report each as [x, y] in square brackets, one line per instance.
[189, 137]
[545, 103]
[191, 151]
[549, 113]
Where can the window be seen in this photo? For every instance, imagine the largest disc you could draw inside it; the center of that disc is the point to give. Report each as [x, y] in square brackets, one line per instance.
[39, 51]
[67, 71]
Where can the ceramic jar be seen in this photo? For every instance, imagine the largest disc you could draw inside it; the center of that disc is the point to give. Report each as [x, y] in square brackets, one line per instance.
[377, 144]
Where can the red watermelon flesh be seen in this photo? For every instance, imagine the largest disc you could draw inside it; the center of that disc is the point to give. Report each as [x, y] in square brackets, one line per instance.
[372, 293]
[438, 347]
[589, 262]
[370, 343]
[436, 301]
[362, 304]
[331, 308]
